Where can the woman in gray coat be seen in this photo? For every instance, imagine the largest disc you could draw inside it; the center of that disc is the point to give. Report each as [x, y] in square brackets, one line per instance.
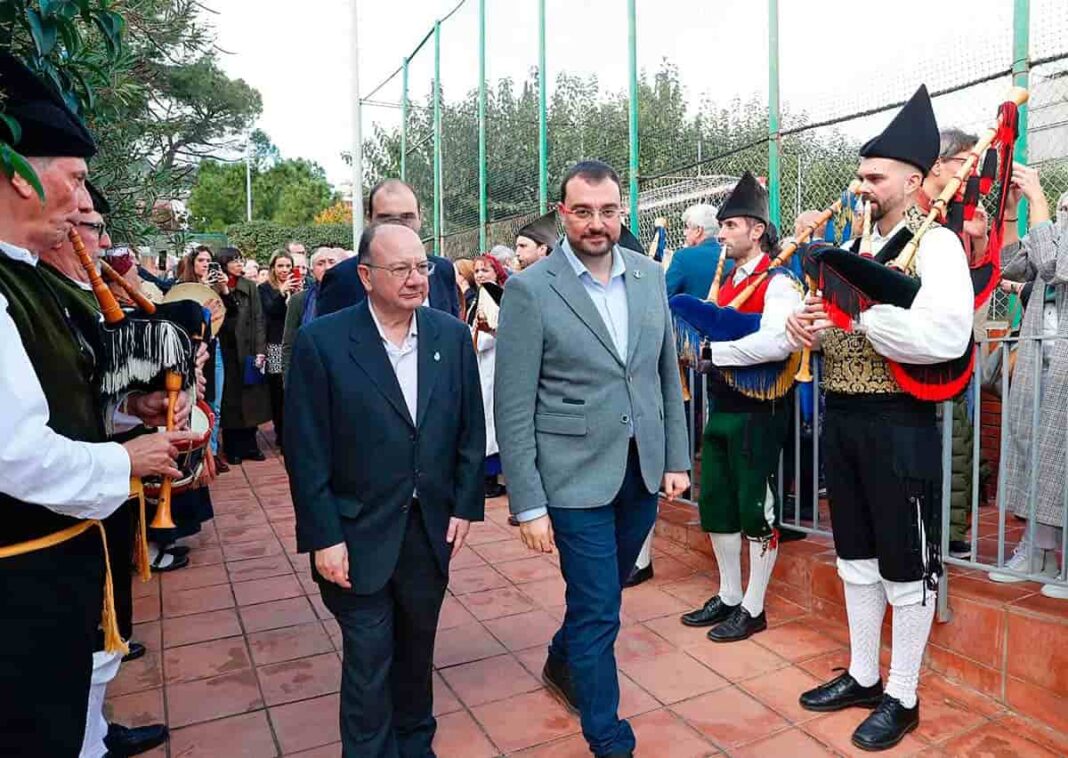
[246, 402]
[1041, 368]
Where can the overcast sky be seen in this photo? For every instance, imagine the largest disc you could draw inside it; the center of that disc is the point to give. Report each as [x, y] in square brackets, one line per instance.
[297, 54]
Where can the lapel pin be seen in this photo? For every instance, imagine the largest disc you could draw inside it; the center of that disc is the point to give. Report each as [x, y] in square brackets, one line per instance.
[637, 274]
[437, 356]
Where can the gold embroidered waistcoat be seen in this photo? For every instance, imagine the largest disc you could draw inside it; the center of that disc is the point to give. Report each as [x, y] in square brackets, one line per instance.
[850, 364]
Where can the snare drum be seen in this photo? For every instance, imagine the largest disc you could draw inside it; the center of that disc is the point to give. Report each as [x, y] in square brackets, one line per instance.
[190, 459]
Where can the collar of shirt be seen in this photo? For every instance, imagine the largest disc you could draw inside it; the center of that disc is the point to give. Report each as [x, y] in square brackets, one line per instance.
[16, 253]
[409, 340]
[618, 267]
[741, 272]
[878, 240]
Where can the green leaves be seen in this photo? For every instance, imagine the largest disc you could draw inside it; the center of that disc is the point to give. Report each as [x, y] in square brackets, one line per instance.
[13, 164]
[44, 32]
[13, 127]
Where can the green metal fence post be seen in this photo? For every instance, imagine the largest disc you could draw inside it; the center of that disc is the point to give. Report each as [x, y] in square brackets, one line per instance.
[404, 121]
[1021, 76]
[482, 196]
[438, 230]
[543, 125]
[774, 140]
[632, 40]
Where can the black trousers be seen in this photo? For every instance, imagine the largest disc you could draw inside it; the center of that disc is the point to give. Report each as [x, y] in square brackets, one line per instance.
[884, 476]
[239, 443]
[51, 610]
[388, 653]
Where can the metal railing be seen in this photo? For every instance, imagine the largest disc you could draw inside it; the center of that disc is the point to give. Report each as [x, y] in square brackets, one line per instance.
[980, 558]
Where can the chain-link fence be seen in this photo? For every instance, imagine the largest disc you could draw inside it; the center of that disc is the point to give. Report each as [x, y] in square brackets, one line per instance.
[703, 94]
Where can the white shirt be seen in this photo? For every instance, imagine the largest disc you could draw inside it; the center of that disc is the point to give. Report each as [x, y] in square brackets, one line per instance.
[769, 343]
[405, 361]
[938, 324]
[37, 465]
[610, 299]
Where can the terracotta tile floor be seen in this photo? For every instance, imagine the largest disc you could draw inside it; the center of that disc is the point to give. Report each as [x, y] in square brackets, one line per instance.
[243, 657]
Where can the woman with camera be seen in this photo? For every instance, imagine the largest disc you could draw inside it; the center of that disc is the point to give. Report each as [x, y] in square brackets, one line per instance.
[282, 281]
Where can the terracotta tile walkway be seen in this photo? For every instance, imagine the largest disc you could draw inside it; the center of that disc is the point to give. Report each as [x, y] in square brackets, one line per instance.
[243, 657]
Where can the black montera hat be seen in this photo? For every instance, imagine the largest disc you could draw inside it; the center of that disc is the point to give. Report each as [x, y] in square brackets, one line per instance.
[100, 203]
[629, 241]
[49, 127]
[747, 199]
[912, 137]
[542, 230]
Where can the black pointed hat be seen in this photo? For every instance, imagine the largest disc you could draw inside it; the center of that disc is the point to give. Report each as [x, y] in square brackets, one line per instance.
[542, 230]
[912, 137]
[629, 241]
[100, 203]
[748, 199]
[49, 127]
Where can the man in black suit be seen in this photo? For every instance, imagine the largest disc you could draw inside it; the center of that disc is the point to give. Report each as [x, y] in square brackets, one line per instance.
[391, 200]
[387, 438]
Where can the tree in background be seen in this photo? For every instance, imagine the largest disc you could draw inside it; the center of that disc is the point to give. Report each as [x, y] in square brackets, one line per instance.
[584, 121]
[290, 192]
[144, 74]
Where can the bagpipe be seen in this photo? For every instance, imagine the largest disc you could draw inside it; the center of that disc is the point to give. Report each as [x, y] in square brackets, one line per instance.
[700, 322]
[851, 283]
[151, 347]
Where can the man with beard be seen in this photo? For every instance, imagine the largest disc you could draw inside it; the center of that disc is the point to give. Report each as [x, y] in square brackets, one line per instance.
[885, 485]
[588, 407]
[534, 241]
[744, 436]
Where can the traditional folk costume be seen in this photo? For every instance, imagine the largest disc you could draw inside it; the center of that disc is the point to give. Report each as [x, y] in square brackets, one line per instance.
[744, 435]
[884, 452]
[56, 482]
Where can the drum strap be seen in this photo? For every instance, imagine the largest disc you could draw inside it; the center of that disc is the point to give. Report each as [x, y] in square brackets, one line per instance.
[113, 642]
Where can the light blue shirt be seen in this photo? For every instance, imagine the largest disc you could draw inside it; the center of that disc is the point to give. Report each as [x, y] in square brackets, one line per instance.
[610, 300]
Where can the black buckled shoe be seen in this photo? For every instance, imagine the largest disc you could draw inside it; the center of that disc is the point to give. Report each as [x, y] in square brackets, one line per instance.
[841, 692]
[557, 678]
[639, 575]
[887, 725]
[712, 612]
[136, 650]
[122, 741]
[739, 626]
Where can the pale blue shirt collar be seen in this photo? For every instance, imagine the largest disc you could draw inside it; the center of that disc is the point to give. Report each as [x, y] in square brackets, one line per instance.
[618, 266]
[16, 253]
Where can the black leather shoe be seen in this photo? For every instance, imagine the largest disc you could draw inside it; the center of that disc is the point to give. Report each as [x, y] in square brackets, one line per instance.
[122, 741]
[639, 575]
[712, 612]
[513, 521]
[739, 626]
[256, 456]
[558, 679]
[136, 651]
[786, 534]
[624, 754]
[841, 692]
[887, 725]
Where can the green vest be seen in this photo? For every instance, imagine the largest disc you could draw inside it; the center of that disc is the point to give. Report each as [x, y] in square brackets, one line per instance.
[53, 335]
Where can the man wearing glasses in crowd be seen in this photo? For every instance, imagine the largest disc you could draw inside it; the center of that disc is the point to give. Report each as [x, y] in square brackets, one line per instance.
[385, 437]
[390, 201]
[589, 416]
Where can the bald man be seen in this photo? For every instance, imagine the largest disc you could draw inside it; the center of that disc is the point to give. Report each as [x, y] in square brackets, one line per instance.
[385, 439]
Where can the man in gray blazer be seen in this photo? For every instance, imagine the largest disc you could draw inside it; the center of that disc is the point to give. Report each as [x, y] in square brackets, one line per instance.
[590, 424]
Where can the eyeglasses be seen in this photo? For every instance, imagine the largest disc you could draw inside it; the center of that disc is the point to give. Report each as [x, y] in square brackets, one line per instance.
[582, 213]
[403, 271]
[99, 227]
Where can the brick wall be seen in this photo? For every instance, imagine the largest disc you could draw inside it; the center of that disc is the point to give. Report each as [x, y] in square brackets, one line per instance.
[990, 442]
